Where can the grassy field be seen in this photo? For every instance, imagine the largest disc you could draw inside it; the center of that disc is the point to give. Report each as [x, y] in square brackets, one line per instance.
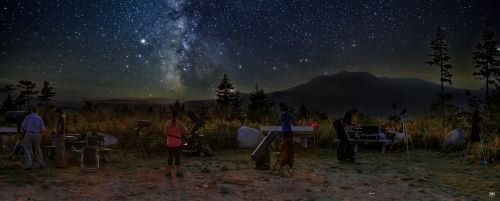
[229, 175]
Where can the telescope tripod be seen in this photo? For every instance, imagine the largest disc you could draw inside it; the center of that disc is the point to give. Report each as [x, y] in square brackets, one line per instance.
[407, 139]
[140, 141]
[483, 151]
[15, 149]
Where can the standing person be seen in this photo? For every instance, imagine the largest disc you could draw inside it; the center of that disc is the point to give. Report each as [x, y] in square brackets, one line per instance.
[348, 119]
[286, 152]
[174, 130]
[60, 135]
[33, 127]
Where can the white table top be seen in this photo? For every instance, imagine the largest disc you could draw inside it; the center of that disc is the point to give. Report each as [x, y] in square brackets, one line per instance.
[294, 128]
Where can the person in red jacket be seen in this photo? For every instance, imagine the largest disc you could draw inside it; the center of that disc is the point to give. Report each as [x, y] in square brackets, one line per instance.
[174, 130]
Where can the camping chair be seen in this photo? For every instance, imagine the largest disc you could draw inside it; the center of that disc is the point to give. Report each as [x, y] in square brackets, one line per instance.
[90, 155]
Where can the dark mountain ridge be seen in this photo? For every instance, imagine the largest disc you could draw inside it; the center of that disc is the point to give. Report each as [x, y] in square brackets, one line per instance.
[334, 94]
[337, 93]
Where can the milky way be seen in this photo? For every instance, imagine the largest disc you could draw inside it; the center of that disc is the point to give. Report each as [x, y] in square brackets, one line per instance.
[180, 48]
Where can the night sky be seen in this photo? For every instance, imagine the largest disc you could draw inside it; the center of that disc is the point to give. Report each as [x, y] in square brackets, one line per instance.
[180, 48]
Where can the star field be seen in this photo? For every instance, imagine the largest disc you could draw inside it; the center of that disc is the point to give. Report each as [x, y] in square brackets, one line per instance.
[180, 48]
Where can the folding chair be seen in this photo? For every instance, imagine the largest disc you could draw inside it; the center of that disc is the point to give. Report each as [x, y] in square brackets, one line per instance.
[90, 155]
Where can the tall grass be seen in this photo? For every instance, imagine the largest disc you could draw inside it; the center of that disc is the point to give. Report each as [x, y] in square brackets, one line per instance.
[426, 132]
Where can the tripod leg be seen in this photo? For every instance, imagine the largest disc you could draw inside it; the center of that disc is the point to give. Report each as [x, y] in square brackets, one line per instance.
[466, 149]
[14, 149]
[127, 149]
[411, 142]
[144, 148]
[483, 150]
[392, 144]
[407, 149]
[141, 147]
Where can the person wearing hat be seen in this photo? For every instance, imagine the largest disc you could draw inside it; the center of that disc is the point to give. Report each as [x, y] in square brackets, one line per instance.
[60, 135]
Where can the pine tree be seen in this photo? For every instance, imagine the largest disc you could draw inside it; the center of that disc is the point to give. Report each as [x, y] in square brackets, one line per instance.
[485, 58]
[259, 106]
[47, 93]
[8, 103]
[472, 101]
[225, 95]
[27, 91]
[439, 57]
[236, 106]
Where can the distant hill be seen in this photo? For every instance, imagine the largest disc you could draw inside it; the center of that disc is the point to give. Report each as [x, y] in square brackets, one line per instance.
[131, 102]
[336, 93]
[333, 94]
[114, 102]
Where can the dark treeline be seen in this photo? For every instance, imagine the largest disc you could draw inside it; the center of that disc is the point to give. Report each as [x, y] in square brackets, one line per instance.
[25, 95]
[486, 65]
[260, 109]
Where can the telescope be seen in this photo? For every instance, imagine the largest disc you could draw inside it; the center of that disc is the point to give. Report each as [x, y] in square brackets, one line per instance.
[401, 115]
[197, 120]
[143, 123]
[261, 154]
[398, 117]
[195, 144]
[15, 116]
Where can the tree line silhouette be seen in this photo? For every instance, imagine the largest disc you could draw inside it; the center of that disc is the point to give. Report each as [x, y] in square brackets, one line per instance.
[486, 64]
[25, 94]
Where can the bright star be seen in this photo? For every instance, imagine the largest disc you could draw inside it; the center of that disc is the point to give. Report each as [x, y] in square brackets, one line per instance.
[143, 41]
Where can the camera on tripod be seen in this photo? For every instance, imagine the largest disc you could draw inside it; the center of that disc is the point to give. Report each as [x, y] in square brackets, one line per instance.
[139, 140]
[143, 123]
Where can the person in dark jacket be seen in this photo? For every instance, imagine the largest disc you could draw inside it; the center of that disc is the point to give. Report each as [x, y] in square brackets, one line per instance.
[348, 120]
[349, 117]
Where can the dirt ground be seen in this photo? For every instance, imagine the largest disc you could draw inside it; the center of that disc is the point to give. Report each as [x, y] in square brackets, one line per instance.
[229, 175]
